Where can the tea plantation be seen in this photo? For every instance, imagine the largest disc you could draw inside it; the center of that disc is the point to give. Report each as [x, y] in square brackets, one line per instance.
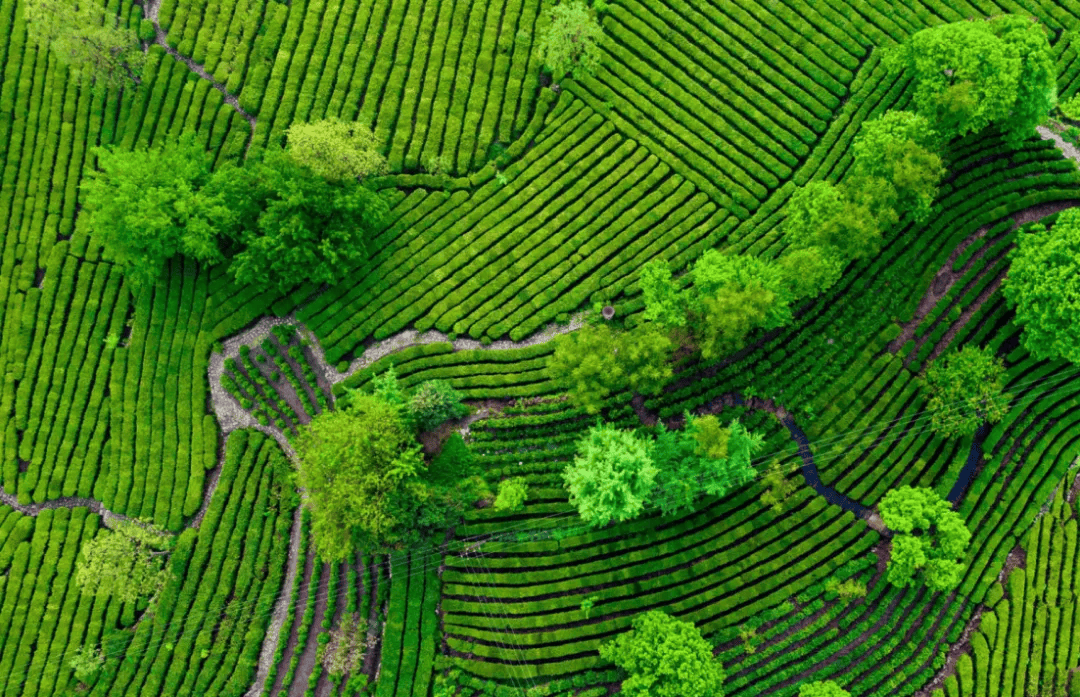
[518, 208]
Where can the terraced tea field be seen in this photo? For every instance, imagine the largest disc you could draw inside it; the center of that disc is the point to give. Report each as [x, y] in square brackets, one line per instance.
[518, 206]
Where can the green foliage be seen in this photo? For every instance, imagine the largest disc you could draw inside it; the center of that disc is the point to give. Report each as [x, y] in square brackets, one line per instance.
[569, 43]
[587, 605]
[92, 42]
[1070, 108]
[929, 537]
[334, 149]
[777, 488]
[966, 389]
[125, 563]
[969, 75]
[824, 215]
[665, 657]
[145, 206]
[512, 494]
[294, 226]
[810, 270]
[434, 402]
[85, 662]
[847, 590]
[595, 361]
[822, 688]
[611, 477]
[664, 303]
[899, 148]
[1043, 286]
[356, 465]
[454, 463]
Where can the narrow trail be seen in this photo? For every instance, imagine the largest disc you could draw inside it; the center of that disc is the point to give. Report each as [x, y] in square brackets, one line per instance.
[33, 509]
[151, 8]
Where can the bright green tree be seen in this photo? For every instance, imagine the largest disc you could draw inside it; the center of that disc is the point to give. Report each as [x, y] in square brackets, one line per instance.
[570, 41]
[900, 148]
[611, 477]
[126, 563]
[965, 390]
[822, 688]
[971, 74]
[845, 221]
[512, 494]
[335, 149]
[1043, 286]
[145, 206]
[777, 488]
[355, 466]
[85, 662]
[293, 225]
[665, 303]
[92, 42]
[435, 402]
[595, 361]
[665, 657]
[929, 537]
[811, 270]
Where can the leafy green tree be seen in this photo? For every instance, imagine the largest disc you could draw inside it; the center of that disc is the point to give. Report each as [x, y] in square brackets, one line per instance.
[356, 465]
[334, 149]
[512, 494]
[665, 303]
[965, 390]
[703, 458]
[126, 563]
[900, 148]
[845, 221]
[1043, 286]
[969, 75]
[665, 657]
[89, 40]
[611, 477]
[777, 488]
[293, 225]
[734, 295]
[595, 361]
[86, 662]
[929, 536]
[570, 41]
[822, 688]
[811, 270]
[145, 206]
[435, 402]
[587, 605]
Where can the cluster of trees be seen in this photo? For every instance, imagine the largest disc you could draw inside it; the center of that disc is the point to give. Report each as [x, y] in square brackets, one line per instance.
[293, 215]
[88, 39]
[616, 473]
[929, 537]
[366, 480]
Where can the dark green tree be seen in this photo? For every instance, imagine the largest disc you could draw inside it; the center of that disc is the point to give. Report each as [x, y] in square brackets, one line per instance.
[965, 390]
[929, 537]
[1043, 286]
[665, 657]
[93, 43]
[435, 402]
[146, 205]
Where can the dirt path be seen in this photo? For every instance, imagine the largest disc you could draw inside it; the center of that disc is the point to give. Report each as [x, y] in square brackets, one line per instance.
[306, 664]
[324, 686]
[151, 8]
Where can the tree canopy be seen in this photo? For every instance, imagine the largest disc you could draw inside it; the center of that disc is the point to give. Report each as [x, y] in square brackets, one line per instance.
[126, 563]
[929, 537]
[356, 465]
[146, 205]
[900, 147]
[612, 475]
[335, 150]
[595, 361]
[84, 36]
[971, 74]
[966, 389]
[665, 657]
[1043, 286]
[512, 494]
[569, 43]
